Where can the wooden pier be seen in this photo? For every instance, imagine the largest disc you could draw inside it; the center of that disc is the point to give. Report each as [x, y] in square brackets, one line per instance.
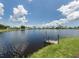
[51, 41]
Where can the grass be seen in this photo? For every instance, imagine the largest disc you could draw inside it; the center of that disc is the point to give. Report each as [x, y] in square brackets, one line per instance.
[67, 48]
[7, 30]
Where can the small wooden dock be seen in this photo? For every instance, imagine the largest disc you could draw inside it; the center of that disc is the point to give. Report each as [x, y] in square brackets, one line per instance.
[51, 41]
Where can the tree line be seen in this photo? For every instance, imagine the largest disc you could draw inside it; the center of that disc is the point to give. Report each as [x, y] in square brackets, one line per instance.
[25, 27]
[3, 26]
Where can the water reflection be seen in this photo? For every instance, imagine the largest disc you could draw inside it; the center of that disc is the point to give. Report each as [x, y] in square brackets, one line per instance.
[23, 43]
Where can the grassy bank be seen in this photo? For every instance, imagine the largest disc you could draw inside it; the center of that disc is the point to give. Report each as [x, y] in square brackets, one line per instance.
[7, 30]
[68, 47]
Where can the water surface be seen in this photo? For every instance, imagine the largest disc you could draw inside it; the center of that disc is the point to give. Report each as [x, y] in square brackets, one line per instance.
[23, 43]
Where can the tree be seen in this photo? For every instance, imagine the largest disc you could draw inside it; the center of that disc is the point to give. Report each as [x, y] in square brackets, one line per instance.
[23, 27]
[2, 26]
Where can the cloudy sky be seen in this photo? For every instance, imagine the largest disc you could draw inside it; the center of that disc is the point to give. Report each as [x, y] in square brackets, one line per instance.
[39, 12]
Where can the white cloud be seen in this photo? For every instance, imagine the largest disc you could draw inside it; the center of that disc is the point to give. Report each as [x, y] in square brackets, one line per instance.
[20, 10]
[70, 11]
[1, 9]
[69, 8]
[55, 23]
[23, 19]
[73, 16]
[19, 14]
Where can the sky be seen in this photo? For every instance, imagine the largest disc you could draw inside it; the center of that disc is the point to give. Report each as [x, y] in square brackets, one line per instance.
[39, 12]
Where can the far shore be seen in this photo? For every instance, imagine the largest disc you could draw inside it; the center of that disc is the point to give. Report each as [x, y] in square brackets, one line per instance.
[10, 30]
[7, 30]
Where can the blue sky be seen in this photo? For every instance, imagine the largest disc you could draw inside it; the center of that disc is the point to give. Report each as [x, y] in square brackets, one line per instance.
[39, 11]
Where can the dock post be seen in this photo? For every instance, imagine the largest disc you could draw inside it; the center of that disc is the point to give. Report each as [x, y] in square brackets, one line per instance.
[58, 38]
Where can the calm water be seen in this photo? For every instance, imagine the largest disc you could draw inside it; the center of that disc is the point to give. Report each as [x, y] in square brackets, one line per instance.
[23, 43]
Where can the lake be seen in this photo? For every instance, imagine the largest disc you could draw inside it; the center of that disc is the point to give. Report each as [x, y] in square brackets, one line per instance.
[24, 43]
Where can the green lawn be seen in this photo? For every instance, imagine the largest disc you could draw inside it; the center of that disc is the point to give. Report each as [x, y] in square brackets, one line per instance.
[68, 47]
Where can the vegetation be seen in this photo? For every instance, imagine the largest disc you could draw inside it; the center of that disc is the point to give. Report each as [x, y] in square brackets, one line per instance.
[68, 47]
[23, 27]
[34, 27]
[58, 27]
[3, 27]
[8, 28]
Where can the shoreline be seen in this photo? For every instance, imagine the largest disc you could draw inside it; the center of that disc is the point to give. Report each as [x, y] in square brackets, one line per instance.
[7, 30]
[67, 48]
